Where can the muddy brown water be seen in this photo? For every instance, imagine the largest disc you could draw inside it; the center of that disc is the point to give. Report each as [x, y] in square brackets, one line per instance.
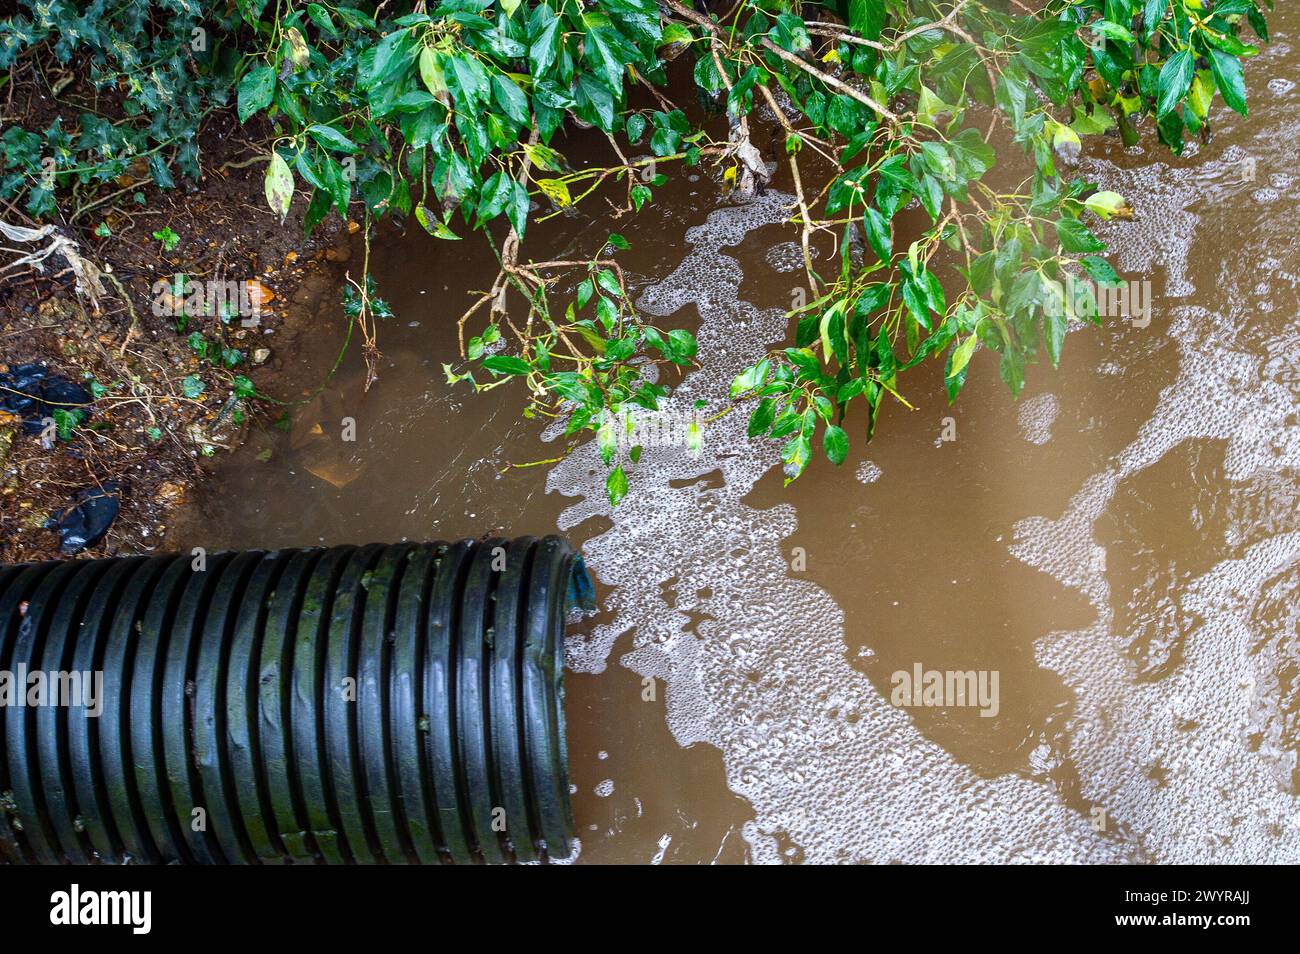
[1121, 546]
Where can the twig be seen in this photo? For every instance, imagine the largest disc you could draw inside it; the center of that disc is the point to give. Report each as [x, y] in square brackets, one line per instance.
[135, 320]
[792, 59]
[804, 215]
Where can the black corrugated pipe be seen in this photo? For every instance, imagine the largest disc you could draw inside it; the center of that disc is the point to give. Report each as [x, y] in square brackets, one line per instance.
[377, 704]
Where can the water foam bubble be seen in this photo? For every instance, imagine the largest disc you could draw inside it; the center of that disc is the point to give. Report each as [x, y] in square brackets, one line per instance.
[758, 667]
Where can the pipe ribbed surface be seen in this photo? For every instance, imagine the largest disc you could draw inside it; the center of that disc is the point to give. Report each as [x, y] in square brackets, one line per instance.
[375, 704]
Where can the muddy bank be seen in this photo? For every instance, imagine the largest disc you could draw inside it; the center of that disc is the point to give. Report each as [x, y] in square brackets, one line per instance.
[164, 380]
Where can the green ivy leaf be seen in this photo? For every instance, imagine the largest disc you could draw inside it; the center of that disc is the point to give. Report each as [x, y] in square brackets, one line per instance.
[1075, 237]
[836, 444]
[1100, 270]
[168, 238]
[961, 355]
[761, 419]
[616, 485]
[256, 90]
[1175, 80]
[507, 364]
[278, 185]
[331, 138]
[1228, 77]
[867, 18]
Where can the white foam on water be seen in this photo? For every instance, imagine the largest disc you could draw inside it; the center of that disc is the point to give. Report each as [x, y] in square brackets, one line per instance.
[1036, 415]
[826, 762]
[1200, 764]
[785, 257]
[869, 472]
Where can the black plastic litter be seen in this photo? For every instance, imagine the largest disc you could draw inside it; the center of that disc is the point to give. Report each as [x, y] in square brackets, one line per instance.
[86, 522]
[380, 704]
[34, 393]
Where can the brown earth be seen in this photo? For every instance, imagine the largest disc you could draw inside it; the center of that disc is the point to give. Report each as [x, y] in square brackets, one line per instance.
[144, 431]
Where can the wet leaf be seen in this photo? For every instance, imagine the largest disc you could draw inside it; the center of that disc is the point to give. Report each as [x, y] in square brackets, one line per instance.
[256, 90]
[795, 456]
[1074, 236]
[761, 418]
[507, 364]
[682, 344]
[961, 355]
[607, 438]
[1228, 77]
[434, 226]
[616, 485]
[557, 190]
[694, 438]
[836, 444]
[278, 185]
[1175, 80]
[299, 54]
[1099, 270]
[331, 138]
[1109, 205]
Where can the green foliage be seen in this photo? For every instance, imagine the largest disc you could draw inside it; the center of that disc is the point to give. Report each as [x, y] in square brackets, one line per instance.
[67, 421]
[168, 238]
[147, 57]
[588, 363]
[1078, 68]
[449, 112]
